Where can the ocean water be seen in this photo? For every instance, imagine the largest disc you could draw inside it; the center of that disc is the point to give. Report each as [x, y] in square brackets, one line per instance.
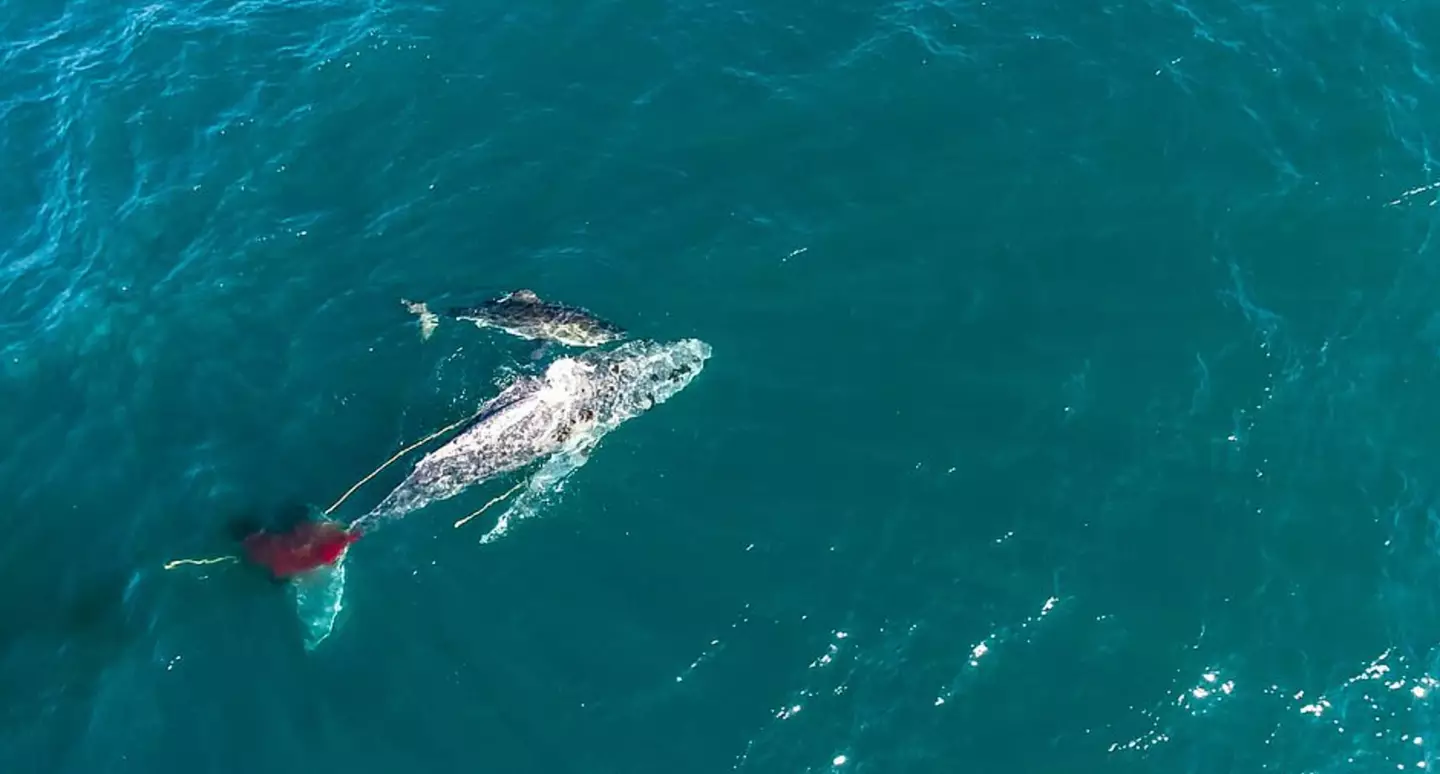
[1072, 405]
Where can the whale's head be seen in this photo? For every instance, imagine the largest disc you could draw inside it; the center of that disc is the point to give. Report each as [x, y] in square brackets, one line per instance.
[638, 375]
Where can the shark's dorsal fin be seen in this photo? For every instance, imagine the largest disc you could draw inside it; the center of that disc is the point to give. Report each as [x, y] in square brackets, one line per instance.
[525, 297]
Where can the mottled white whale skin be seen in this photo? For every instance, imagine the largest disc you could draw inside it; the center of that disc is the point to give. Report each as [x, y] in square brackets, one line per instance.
[524, 314]
[575, 401]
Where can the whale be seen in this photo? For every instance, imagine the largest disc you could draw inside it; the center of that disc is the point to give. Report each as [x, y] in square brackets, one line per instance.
[552, 420]
[569, 407]
[522, 313]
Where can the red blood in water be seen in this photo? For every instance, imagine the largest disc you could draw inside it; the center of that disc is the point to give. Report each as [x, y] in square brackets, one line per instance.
[308, 546]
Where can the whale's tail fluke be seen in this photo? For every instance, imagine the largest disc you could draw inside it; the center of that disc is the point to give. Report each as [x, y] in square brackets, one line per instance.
[319, 598]
[311, 557]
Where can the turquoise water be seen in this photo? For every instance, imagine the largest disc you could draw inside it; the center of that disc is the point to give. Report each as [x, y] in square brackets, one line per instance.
[1071, 406]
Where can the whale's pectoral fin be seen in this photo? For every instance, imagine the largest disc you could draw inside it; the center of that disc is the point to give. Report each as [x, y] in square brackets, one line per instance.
[319, 598]
[545, 482]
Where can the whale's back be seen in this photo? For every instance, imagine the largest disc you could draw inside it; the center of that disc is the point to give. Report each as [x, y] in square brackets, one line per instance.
[527, 421]
[576, 401]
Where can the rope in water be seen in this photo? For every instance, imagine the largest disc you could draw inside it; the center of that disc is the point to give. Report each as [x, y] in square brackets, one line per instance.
[170, 565]
[217, 560]
[483, 508]
[398, 455]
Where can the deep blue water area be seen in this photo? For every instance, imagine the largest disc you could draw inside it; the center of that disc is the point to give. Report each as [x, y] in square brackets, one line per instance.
[1072, 404]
